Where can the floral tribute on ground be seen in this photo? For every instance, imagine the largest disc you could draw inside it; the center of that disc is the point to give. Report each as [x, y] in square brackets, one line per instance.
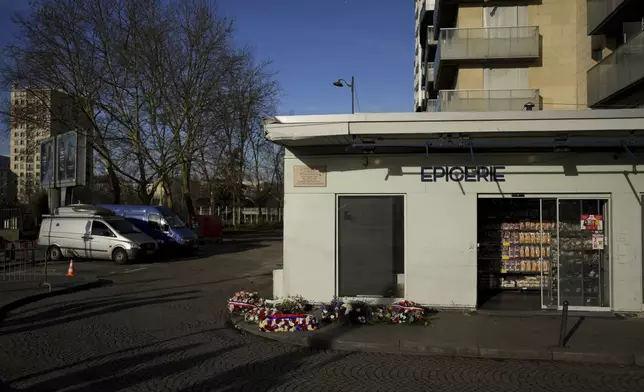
[288, 323]
[291, 313]
[403, 312]
[284, 315]
[243, 301]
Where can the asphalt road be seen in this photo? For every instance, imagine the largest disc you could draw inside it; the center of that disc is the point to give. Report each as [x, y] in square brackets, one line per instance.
[160, 327]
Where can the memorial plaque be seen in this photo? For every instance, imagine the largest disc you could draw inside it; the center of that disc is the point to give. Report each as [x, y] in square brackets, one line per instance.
[309, 176]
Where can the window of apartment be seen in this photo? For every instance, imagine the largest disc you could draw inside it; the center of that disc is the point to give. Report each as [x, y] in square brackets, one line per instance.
[15, 166]
[15, 150]
[37, 166]
[22, 174]
[22, 142]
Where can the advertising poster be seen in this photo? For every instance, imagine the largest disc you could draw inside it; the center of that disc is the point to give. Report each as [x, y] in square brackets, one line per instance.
[67, 150]
[598, 241]
[592, 222]
[47, 162]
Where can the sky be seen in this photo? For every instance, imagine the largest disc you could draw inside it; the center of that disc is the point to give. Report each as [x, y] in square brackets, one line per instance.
[311, 44]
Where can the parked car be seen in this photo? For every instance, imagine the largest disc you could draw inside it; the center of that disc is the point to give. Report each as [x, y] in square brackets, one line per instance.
[159, 222]
[90, 232]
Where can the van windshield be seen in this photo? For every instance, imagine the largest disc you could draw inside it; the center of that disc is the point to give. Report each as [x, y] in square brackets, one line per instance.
[174, 221]
[123, 227]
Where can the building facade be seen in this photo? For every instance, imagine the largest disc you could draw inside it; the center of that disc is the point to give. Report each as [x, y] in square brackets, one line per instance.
[617, 31]
[38, 114]
[498, 210]
[7, 182]
[517, 55]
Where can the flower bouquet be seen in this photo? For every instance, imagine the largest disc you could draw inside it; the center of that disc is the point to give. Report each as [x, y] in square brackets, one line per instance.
[406, 312]
[258, 314]
[242, 301]
[288, 323]
[291, 305]
[331, 312]
[357, 312]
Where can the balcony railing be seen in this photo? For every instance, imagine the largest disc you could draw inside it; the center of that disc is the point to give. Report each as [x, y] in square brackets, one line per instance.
[619, 70]
[428, 73]
[487, 100]
[600, 10]
[432, 105]
[489, 43]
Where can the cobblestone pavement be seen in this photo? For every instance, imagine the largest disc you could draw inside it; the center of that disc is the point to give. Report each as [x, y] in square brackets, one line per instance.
[162, 329]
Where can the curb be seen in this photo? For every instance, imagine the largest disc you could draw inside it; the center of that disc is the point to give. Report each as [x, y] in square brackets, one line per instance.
[5, 309]
[319, 341]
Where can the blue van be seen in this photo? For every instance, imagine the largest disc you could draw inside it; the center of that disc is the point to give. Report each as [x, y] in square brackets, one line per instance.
[159, 222]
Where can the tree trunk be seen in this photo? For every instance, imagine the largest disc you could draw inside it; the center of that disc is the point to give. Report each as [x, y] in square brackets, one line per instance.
[185, 187]
[144, 195]
[115, 184]
[167, 192]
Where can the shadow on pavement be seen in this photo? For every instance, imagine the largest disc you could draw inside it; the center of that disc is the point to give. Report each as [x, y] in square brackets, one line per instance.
[266, 374]
[74, 312]
[185, 286]
[111, 354]
[106, 377]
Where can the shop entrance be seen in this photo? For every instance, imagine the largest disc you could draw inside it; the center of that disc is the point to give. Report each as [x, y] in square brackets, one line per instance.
[536, 253]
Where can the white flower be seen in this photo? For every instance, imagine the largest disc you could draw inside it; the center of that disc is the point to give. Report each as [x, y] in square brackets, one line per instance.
[333, 317]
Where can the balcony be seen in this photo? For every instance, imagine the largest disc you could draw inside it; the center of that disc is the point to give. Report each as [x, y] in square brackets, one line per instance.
[490, 43]
[487, 100]
[428, 73]
[489, 46]
[605, 16]
[619, 77]
[446, 11]
[432, 105]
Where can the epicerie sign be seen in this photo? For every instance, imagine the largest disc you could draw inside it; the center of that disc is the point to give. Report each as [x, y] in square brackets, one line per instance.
[462, 173]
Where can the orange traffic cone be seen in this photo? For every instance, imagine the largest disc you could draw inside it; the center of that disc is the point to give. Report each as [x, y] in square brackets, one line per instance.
[70, 270]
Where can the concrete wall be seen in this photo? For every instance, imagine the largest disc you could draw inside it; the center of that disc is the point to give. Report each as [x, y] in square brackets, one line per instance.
[441, 231]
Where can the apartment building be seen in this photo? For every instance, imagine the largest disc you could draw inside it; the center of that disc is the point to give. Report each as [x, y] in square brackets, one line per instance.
[616, 28]
[37, 114]
[499, 55]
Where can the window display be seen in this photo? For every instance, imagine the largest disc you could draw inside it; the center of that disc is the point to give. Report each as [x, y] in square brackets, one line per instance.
[515, 244]
[582, 252]
[556, 247]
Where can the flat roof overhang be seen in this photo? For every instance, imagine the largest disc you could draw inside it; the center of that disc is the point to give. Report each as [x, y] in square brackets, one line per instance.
[344, 129]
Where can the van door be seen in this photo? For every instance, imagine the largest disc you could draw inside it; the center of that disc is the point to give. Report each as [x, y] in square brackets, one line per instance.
[100, 241]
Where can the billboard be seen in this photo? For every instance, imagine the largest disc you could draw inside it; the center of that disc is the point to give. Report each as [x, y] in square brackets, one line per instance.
[67, 157]
[47, 161]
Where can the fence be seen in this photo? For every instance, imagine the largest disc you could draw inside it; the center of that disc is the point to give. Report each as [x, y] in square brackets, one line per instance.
[245, 216]
[22, 261]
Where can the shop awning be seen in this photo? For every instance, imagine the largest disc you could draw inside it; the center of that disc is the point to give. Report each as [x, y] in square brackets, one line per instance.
[622, 126]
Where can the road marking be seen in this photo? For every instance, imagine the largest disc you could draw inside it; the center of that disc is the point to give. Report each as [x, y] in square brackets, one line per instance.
[129, 271]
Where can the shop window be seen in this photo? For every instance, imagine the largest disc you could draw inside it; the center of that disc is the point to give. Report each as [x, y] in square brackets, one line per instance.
[540, 253]
[371, 246]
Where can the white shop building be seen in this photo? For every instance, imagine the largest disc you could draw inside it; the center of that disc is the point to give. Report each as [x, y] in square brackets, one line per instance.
[500, 210]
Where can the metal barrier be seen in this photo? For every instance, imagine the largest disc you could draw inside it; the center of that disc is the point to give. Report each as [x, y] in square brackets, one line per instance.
[22, 261]
[564, 325]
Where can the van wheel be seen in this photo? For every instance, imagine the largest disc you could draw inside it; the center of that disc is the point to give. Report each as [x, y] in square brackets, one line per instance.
[54, 253]
[119, 256]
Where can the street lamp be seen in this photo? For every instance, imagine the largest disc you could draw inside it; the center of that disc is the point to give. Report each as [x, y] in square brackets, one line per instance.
[342, 83]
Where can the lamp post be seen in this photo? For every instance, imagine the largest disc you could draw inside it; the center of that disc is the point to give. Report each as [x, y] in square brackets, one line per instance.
[342, 83]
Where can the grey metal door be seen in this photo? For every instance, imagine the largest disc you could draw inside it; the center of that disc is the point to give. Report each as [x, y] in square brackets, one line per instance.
[370, 245]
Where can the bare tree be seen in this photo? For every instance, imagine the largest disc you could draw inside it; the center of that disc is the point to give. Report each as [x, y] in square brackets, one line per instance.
[157, 85]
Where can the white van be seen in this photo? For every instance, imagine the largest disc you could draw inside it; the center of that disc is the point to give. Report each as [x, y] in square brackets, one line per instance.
[90, 232]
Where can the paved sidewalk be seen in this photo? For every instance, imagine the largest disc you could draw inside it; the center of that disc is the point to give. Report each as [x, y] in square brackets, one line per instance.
[589, 339]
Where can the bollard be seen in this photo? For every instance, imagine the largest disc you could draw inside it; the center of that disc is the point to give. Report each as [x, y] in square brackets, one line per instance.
[564, 322]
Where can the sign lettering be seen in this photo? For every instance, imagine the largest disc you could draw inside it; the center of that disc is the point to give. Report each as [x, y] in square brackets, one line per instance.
[462, 173]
